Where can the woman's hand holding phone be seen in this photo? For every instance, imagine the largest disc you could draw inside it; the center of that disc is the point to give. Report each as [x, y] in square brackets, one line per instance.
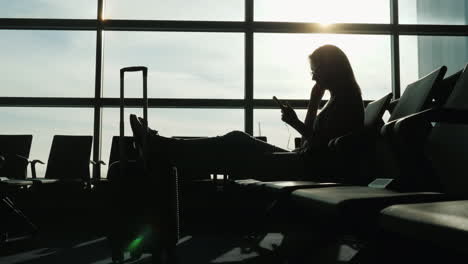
[281, 105]
[289, 116]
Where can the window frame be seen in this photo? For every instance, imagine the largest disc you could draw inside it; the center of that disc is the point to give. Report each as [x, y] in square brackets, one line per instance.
[248, 27]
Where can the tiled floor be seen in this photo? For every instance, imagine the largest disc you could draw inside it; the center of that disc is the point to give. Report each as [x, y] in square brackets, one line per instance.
[197, 249]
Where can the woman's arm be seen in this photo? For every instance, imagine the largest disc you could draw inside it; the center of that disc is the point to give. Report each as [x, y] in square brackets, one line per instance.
[316, 96]
[290, 117]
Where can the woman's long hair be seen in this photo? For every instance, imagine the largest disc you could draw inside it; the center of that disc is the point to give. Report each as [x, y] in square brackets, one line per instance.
[335, 68]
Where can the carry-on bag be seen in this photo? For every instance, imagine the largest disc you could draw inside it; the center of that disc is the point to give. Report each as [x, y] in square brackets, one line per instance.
[145, 203]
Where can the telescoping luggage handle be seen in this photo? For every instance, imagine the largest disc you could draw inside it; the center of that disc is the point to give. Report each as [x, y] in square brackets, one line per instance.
[144, 70]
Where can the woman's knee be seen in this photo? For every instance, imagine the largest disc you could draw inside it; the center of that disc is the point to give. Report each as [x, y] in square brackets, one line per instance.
[237, 136]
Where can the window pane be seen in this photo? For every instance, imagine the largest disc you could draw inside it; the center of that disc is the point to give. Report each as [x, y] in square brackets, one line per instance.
[422, 54]
[83, 9]
[282, 66]
[181, 65]
[43, 124]
[268, 123]
[172, 122]
[47, 63]
[226, 10]
[447, 12]
[331, 11]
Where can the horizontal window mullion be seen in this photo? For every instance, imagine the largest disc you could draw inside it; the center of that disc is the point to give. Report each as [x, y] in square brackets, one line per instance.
[164, 25]
[46, 102]
[49, 24]
[344, 28]
[433, 30]
[176, 103]
[153, 102]
[225, 26]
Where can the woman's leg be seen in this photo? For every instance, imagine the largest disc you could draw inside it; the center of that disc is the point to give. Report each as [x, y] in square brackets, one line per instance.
[235, 152]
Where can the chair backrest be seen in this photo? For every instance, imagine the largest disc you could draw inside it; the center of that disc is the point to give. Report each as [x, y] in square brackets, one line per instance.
[374, 112]
[447, 146]
[130, 150]
[69, 157]
[418, 95]
[14, 167]
[446, 87]
[131, 154]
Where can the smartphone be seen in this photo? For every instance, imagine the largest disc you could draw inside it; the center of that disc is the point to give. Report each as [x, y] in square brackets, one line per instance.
[278, 102]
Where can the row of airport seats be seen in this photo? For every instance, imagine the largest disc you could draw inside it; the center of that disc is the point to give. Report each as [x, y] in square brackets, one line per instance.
[67, 184]
[25, 199]
[67, 174]
[418, 187]
[68, 160]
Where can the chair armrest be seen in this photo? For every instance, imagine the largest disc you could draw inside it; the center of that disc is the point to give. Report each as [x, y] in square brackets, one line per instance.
[412, 131]
[114, 169]
[350, 141]
[97, 166]
[441, 115]
[388, 129]
[16, 157]
[97, 163]
[22, 157]
[33, 167]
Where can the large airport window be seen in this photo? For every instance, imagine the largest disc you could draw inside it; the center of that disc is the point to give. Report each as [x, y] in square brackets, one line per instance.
[267, 122]
[83, 9]
[43, 63]
[181, 65]
[282, 67]
[43, 124]
[230, 10]
[422, 54]
[331, 11]
[447, 12]
[171, 122]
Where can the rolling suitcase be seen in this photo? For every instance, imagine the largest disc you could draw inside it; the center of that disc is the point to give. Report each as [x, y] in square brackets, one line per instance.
[144, 211]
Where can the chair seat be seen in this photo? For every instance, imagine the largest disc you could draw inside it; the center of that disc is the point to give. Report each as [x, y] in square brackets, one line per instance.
[52, 181]
[248, 184]
[356, 202]
[15, 183]
[289, 186]
[442, 223]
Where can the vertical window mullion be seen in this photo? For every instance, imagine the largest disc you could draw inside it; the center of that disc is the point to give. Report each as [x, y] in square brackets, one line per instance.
[395, 49]
[98, 93]
[249, 53]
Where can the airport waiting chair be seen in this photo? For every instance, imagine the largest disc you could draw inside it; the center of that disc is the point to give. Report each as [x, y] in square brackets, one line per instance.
[68, 162]
[343, 148]
[15, 151]
[113, 168]
[131, 155]
[355, 209]
[444, 224]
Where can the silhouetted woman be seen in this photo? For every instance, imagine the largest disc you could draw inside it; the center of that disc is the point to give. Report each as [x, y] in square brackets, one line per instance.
[240, 154]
